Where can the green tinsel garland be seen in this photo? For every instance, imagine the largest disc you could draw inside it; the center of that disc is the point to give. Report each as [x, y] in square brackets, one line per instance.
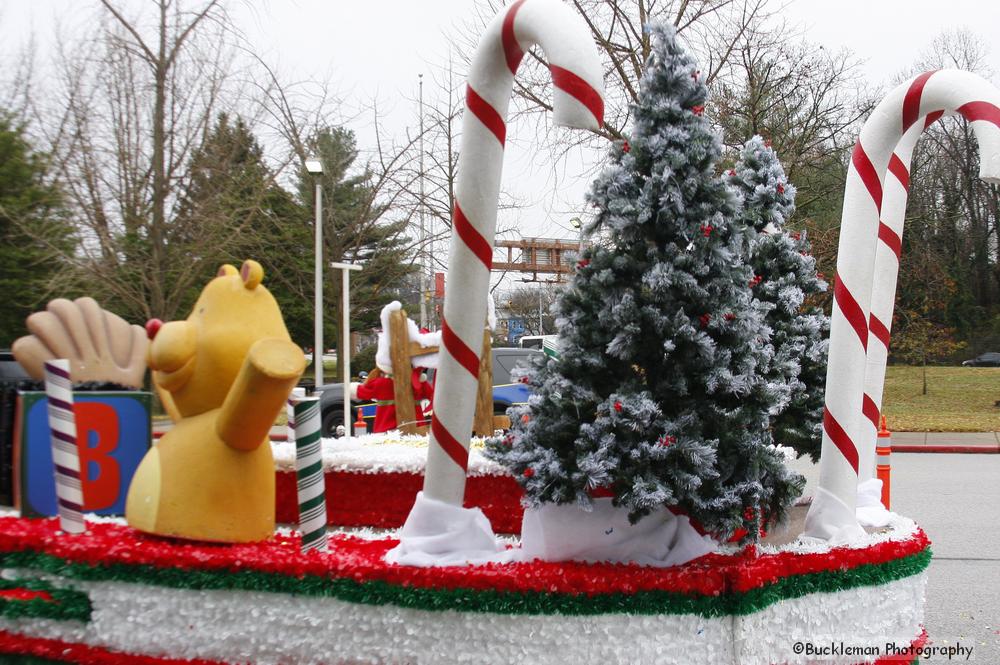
[468, 600]
[63, 604]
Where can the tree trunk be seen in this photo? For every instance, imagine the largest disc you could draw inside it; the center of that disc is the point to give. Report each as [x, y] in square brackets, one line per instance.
[157, 228]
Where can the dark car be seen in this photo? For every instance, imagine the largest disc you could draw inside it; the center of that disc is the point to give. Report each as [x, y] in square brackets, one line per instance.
[12, 377]
[991, 359]
[506, 392]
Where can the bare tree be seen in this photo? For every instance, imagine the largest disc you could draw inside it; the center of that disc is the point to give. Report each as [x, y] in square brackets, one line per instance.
[807, 101]
[531, 307]
[950, 272]
[711, 28]
[129, 107]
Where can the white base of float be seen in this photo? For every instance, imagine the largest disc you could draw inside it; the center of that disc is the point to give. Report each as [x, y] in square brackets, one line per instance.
[112, 595]
[264, 628]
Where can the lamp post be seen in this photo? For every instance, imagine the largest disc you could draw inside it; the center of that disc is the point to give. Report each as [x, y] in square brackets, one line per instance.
[577, 224]
[315, 167]
[344, 353]
[424, 263]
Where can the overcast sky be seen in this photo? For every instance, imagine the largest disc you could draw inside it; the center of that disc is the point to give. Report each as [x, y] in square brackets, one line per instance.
[376, 49]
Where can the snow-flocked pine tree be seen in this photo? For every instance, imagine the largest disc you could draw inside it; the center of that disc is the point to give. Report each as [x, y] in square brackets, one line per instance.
[657, 398]
[784, 277]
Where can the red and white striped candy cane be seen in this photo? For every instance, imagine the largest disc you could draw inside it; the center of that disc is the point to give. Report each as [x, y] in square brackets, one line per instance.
[577, 102]
[870, 235]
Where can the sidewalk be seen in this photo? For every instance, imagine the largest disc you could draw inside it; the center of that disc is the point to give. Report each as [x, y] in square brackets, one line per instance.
[946, 442]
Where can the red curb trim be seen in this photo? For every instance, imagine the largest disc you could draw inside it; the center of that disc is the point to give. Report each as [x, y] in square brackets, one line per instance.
[945, 449]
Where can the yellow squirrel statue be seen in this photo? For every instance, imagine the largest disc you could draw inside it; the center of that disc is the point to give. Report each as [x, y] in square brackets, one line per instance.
[227, 371]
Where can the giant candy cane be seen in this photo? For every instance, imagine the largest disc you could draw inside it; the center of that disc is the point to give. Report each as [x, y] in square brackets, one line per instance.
[867, 263]
[577, 102]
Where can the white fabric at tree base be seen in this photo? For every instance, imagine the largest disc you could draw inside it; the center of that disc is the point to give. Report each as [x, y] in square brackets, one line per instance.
[870, 511]
[571, 533]
[437, 533]
[830, 519]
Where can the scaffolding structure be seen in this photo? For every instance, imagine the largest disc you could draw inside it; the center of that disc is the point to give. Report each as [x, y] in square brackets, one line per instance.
[539, 256]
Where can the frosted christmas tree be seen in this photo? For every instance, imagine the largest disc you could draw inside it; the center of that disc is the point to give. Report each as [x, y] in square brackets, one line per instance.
[658, 397]
[784, 278]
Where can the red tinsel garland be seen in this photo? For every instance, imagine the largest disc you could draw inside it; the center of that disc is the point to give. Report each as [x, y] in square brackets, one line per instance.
[383, 500]
[88, 655]
[83, 654]
[362, 560]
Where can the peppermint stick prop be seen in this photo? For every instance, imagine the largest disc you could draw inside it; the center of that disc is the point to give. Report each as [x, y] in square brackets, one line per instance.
[846, 430]
[887, 253]
[577, 102]
[65, 454]
[297, 394]
[309, 474]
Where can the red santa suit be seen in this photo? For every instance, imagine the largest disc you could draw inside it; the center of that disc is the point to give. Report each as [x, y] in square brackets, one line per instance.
[422, 390]
[380, 390]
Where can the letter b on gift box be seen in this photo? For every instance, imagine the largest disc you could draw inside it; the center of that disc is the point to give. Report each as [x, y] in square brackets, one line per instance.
[113, 435]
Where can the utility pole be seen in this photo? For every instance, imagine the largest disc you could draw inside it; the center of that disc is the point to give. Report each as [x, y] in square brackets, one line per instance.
[424, 267]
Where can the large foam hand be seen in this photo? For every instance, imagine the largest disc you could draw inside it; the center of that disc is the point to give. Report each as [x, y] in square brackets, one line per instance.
[100, 345]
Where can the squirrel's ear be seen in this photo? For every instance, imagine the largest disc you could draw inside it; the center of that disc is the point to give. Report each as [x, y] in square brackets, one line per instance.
[252, 274]
[226, 270]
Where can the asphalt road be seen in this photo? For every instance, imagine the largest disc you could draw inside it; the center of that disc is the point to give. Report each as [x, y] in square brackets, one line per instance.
[956, 499]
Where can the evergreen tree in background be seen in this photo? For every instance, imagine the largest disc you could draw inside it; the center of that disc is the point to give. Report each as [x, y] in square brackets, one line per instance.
[785, 278]
[657, 397]
[234, 199]
[33, 230]
[358, 227]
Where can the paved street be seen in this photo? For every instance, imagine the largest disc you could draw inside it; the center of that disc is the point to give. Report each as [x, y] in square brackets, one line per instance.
[956, 499]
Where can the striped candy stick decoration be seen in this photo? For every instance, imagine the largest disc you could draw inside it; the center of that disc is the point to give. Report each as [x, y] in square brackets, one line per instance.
[65, 454]
[577, 102]
[845, 425]
[917, 115]
[309, 474]
[297, 394]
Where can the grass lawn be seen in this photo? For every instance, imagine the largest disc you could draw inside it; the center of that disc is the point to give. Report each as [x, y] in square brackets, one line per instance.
[958, 399]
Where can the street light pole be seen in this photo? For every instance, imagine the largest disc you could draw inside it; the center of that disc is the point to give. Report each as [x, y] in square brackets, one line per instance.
[315, 167]
[424, 263]
[344, 353]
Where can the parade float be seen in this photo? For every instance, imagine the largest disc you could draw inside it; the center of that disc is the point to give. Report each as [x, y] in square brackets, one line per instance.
[201, 574]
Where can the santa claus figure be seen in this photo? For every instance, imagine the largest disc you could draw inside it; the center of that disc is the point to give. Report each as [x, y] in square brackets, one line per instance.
[378, 387]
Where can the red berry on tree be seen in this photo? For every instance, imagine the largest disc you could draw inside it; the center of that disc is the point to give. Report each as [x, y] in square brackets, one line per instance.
[731, 172]
[667, 439]
[705, 320]
[781, 188]
[582, 263]
[525, 418]
[706, 229]
[618, 407]
[757, 279]
[529, 472]
[730, 316]
[698, 110]
[626, 148]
